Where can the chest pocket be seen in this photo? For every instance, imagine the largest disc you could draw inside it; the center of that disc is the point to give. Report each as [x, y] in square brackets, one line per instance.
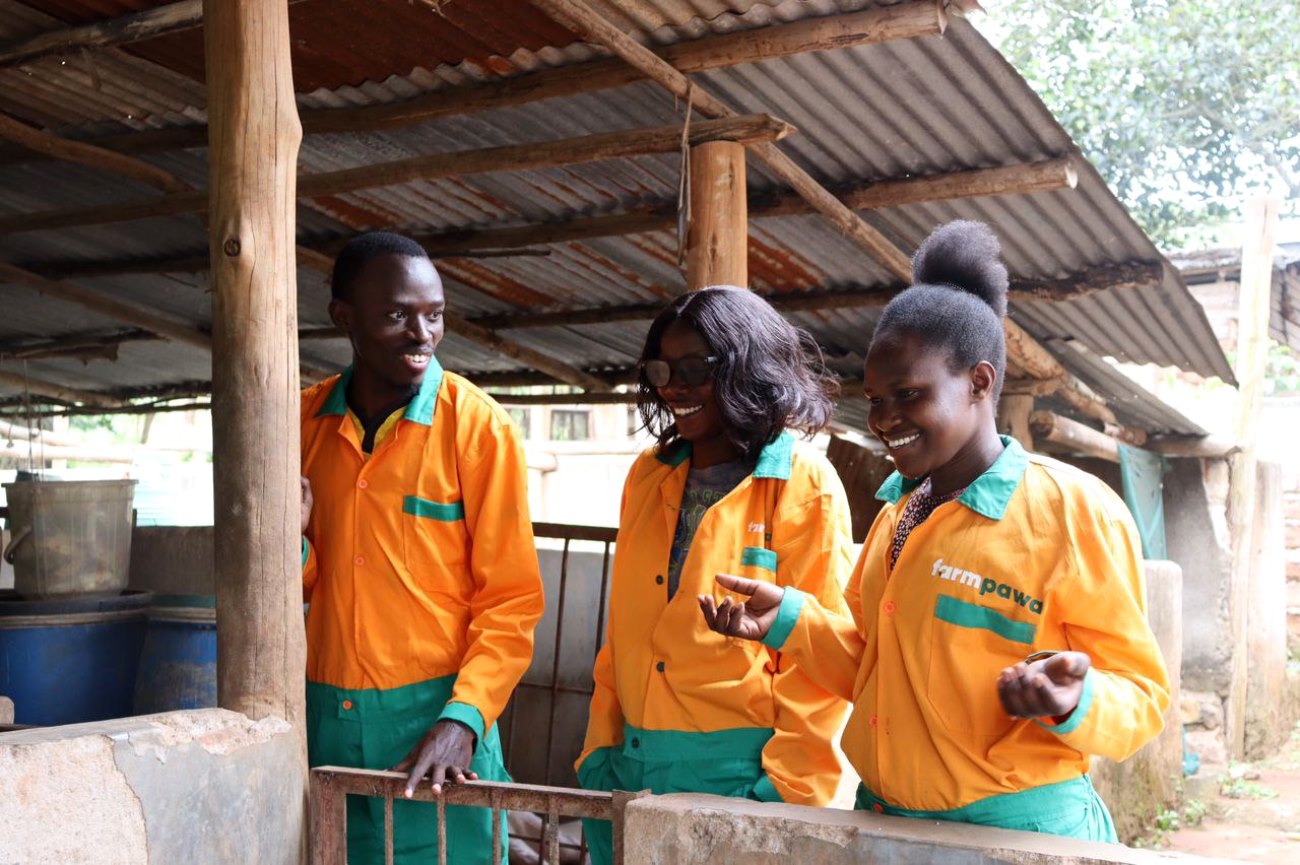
[970, 645]
[436, 545]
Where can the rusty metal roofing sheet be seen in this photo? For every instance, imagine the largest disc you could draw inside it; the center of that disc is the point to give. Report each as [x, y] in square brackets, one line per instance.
[921, 107]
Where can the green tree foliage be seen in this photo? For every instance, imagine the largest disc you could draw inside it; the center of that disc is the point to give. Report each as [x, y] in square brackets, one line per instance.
[1185, 106]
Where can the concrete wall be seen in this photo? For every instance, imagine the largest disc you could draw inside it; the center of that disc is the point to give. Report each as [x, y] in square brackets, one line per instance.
[1142, 786]
[208, 787]
[706, 830]
[1196, 529]
[173, 560]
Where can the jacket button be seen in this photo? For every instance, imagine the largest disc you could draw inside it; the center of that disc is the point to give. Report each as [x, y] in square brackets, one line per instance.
[890, 606]
[660, 579]
[359, 561]
[872, 721]
[660, 666]
[878, 808]
[363, 483]
[347, 704]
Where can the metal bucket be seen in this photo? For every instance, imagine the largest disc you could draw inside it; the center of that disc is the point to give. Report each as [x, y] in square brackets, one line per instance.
[69, 537]
[71, 661]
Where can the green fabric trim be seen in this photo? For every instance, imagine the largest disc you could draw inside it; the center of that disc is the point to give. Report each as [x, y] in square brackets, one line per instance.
[672, 746]
[764, 791]
[447, 513]
[465, 714]
[1070, 724]
[674, 454]
[988, 495]
[420, 409]
[759, 557]
[967, 615]
[777, 458]
[786, 617]
[337, 401]
[1070, 808]
[305, 552]
[594, 772]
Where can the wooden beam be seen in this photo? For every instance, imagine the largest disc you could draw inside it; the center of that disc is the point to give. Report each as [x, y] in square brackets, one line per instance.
[172, 18]
[1037, 358]
[747, 129]
[1200, 447]
[717, 236]
[26, 384]
[87, 154]
[107, 306]
[537, 360]
[910, 20]
[1076, 437]
[79, 346]
[1034, 176]
[1014, 412]
[254, 132]
[583, 20]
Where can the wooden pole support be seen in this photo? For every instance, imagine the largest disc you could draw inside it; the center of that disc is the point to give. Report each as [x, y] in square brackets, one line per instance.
[1014, 411]
[64, 394]
[1073, 435]
[253, 150]
[717, 242]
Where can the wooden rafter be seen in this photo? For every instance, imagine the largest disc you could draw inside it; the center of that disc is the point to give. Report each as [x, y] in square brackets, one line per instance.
[172, 18]
[903, 21]
[748, 129]
[23, 383]
[1007, 180]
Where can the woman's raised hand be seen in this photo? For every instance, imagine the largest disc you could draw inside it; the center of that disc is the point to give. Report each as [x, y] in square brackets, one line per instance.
[749, 620]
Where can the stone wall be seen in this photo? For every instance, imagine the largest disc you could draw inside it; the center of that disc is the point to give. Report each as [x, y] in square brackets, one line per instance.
[691, 829]
[1145, 784]
[208, 787]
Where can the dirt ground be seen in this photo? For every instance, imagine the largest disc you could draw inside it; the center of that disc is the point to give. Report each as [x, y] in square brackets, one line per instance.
[1248, 812]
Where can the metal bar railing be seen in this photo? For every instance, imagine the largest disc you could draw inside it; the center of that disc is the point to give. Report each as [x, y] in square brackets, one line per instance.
[331, 785]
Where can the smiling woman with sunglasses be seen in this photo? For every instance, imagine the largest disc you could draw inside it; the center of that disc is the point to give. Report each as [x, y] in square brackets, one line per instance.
[725, 384]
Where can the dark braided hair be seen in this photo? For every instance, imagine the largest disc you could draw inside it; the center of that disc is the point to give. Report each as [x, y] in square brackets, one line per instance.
[770, 375]
[958, 298]
[363, 249]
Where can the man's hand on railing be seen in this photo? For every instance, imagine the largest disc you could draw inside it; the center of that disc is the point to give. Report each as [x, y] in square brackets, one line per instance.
[443, 755]
[749, 620]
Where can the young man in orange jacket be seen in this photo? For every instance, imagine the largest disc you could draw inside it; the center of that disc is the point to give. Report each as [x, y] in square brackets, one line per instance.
[418, 557]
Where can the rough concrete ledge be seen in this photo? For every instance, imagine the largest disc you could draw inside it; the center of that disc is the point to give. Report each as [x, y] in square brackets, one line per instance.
[690, 829]
[207, 786]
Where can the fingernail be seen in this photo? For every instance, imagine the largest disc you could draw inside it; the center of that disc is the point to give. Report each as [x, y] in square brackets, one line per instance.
[409, 792]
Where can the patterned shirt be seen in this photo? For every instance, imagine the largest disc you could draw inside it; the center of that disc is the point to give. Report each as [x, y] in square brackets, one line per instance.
[920, 504]
[704, 489]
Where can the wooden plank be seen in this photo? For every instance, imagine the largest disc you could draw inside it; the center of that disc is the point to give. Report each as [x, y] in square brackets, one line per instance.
[583, 20]
[1014, 411]
[717, 237]
[261, 646]
[747, 129]
[87, 154]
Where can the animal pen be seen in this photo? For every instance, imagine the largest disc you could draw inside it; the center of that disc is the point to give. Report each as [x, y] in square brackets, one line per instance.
[177, 176]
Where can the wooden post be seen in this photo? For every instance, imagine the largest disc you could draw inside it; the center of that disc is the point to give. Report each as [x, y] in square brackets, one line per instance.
[717, 242]
[1254, 305]
[1013, 418]
[253, 137]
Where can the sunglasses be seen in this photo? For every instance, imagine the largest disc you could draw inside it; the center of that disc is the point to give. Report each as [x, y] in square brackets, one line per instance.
[689, 371]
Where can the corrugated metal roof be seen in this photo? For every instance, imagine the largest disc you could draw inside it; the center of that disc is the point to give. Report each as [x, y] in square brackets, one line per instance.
[914, 108]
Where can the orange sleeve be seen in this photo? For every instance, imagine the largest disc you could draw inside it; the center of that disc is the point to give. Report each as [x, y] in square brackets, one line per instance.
[814, 556]
[508, 596]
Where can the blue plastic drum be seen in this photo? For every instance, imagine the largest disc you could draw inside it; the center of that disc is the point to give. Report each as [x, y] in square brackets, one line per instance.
[70, 661]
[178, 667]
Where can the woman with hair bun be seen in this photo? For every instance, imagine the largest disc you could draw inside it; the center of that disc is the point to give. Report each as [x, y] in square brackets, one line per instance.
[725, 384]
[998, 635]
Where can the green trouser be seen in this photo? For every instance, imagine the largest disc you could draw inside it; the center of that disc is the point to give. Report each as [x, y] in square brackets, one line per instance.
[374, 729]
[1071, 808]
[725, 763]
